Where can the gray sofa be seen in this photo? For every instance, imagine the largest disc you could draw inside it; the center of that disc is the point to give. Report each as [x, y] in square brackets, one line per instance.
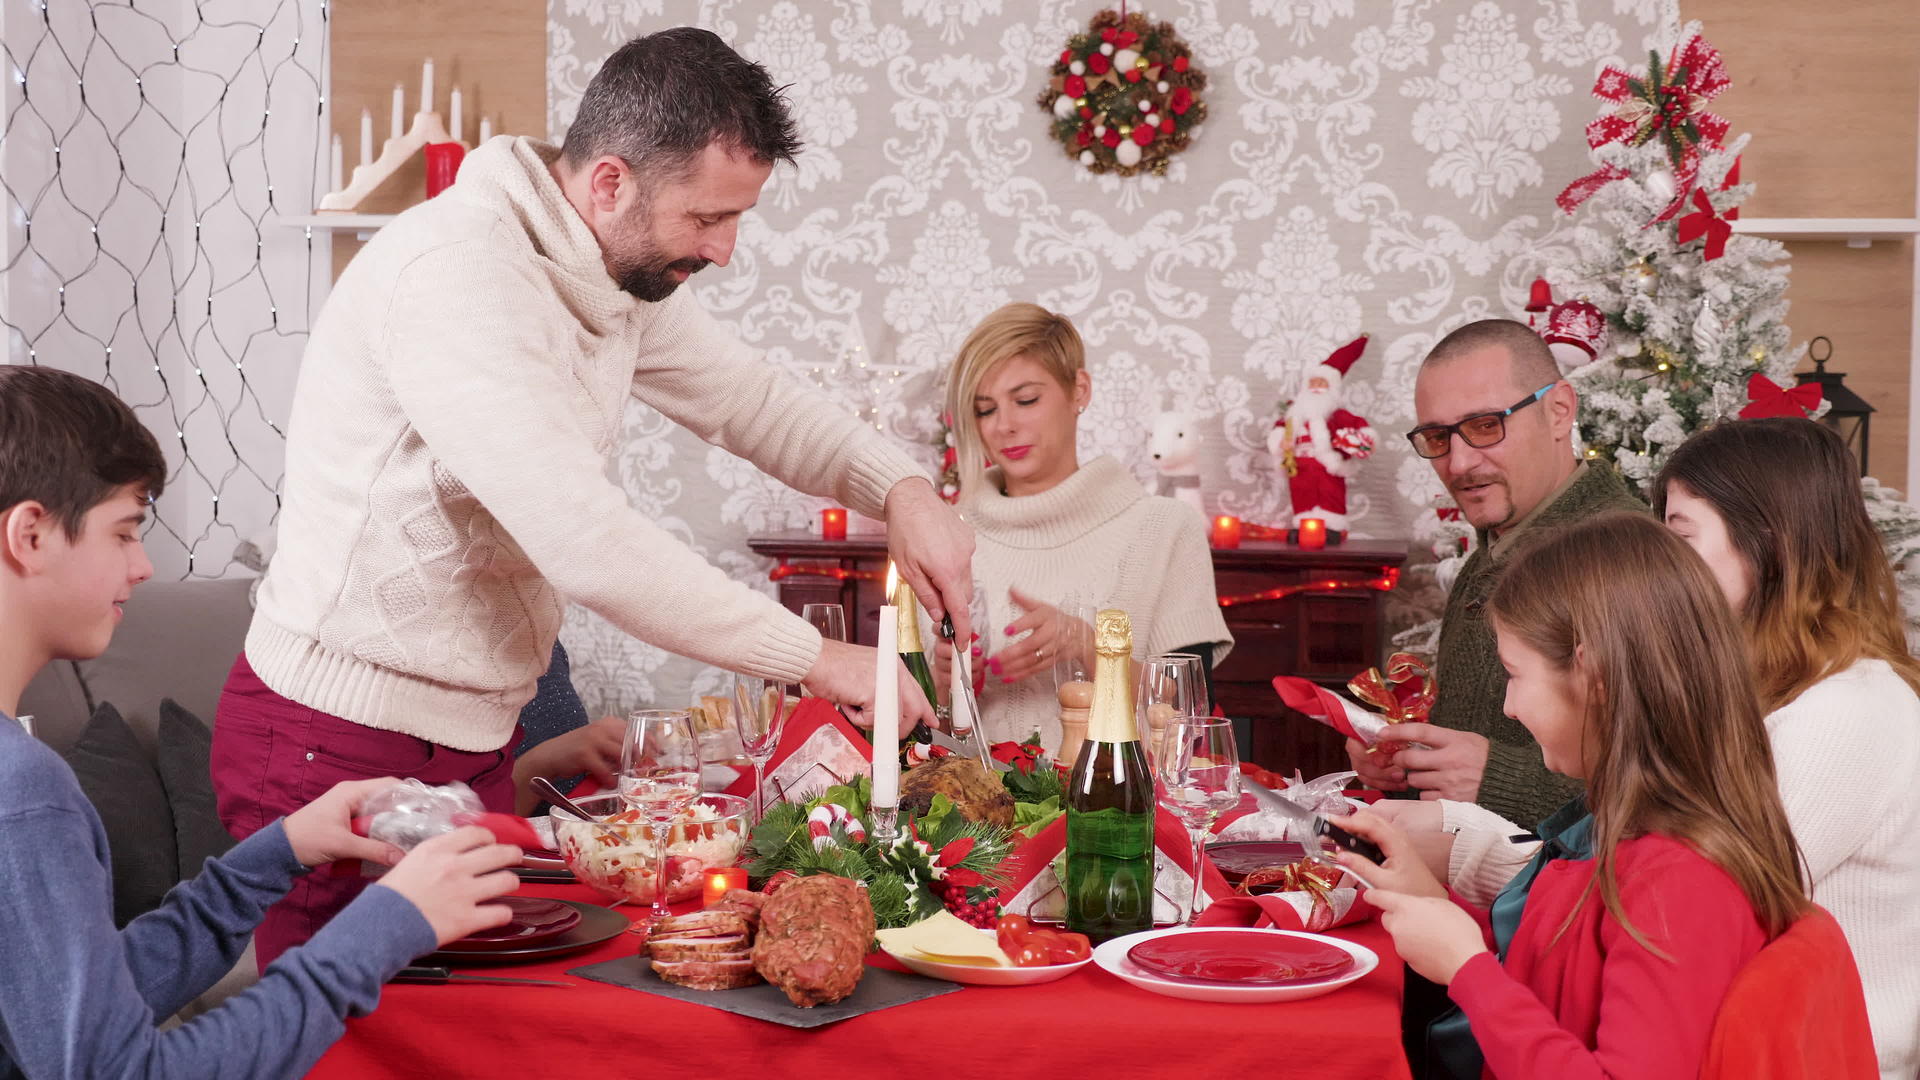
[177, 641]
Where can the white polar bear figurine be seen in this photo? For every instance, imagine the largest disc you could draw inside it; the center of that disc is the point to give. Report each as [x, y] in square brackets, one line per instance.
[1176, 454]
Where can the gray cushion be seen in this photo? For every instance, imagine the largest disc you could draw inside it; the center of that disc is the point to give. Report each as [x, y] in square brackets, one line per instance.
[118, 777]
[57, 701]
[185, 745]
[178, 640]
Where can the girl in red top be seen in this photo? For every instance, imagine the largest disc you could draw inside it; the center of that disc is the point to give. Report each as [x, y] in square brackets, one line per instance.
[1609, 955]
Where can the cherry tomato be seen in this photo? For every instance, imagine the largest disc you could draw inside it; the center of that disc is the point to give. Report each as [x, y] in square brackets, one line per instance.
[1015, 926]
[1033, 954]
[1068, 948]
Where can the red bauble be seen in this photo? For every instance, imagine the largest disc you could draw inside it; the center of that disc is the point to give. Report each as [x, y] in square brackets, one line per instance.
[1086, 112]
[1179, 63]
[1099, 64]
[1143, 134]
[1166, 126]
[1134, 75]
[1076, 87]
[1108, 35]
[1086, 135]
[1125, 39]
[1111, 139]
[1181, 101]
[1066, 56]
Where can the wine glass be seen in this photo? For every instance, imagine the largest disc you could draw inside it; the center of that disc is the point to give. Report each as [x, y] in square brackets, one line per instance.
[1171, 685]
[829, 619]
[660, 777]
[759, 715]
[1199, 772]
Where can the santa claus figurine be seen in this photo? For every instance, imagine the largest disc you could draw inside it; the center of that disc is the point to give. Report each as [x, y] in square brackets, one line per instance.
[1320, 445]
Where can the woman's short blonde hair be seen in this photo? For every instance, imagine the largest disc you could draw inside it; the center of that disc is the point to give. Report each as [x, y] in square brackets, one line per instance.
[1015, 329]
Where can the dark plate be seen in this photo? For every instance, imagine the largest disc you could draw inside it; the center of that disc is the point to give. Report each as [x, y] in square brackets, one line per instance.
[597, 924]
[535, 919]
[1238, 858]
[1247, 958]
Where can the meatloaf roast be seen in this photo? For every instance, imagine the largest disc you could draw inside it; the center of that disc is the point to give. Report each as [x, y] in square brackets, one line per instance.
[814, 936]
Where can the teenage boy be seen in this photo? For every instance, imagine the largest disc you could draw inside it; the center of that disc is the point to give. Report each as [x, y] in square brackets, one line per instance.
[77, 997]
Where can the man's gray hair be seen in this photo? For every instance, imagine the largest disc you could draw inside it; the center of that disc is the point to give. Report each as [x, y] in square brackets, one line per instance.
[662, 99]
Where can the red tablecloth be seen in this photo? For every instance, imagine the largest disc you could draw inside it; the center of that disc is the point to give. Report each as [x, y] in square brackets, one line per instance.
[1089, 1020]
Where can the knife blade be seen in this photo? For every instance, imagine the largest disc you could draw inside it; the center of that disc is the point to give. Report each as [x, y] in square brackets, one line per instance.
[1311, 830]
[1262, 794]
[422, 973]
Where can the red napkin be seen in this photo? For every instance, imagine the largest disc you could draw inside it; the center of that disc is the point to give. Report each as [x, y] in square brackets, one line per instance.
[1287, 911]
[506, 828]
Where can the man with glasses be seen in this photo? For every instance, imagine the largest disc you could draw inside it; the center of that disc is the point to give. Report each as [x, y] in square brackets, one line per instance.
[1495, 420]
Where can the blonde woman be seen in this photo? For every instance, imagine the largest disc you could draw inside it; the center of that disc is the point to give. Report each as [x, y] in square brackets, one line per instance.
[1050, 529]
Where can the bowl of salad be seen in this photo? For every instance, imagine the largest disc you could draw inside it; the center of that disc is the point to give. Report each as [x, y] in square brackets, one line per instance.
[616, 857]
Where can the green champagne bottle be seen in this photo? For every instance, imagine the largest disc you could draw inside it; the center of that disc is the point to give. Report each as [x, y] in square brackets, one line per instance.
[915, 657]
[1110, 801]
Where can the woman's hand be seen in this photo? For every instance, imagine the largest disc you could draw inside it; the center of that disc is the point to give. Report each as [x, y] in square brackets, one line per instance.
[1404, 871]
[1049, 634]
[593, 749]
[1422, 822]
[1434, 935]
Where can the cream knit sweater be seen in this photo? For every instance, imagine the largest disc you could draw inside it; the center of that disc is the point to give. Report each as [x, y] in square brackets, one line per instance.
[1847, 752]
[1098, 539]
[446, 490]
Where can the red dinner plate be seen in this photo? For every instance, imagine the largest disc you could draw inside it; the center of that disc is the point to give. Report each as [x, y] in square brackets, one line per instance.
[1238, 858]
[534, 920]
[1247, 957]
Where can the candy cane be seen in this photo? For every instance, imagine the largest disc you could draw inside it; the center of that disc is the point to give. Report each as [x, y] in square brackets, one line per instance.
[822, 819]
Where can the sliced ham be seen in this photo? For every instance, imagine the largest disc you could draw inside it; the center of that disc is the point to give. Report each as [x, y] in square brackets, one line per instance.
[718, 974]
[699, 947]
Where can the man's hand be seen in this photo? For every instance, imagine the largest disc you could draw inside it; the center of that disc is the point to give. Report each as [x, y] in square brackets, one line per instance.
[1376, 771]
[1451, 769]
[322, 831]
[933, 550]
[844, 674]
[593, 749]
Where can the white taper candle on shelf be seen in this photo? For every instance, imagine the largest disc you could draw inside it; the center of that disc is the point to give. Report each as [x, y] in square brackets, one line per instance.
[426, 86]
[338, 171]
[886, 704]
[453, 114]
[366, 137]
[486, 129]
[399, 111]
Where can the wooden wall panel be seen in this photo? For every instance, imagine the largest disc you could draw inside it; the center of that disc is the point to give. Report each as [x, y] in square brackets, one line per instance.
[495, 51]
[1831, 94]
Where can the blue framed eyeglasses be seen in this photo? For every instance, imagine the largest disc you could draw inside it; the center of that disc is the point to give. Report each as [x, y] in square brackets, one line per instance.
[1479, 431]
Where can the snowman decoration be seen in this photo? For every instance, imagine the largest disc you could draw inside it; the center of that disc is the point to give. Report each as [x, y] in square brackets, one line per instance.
[1319, 444]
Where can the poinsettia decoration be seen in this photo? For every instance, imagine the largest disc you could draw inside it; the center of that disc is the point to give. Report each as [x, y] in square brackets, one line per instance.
[1125, 96]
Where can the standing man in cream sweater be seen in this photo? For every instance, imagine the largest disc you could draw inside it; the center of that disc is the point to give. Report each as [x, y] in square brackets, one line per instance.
[446, 492]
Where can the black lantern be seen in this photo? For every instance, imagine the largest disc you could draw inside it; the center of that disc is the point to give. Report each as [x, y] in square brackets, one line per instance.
[1850, 414]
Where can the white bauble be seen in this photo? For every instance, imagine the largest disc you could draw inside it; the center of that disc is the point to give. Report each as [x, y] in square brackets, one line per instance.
[1660, 184]
[1099, 131]
[1146, 106]
[1152, 120]
[1106, 48]
[1707, 333]
[1163, 86]
[1125, 59]
[1063, 106]
[1078, 67]
[1640, 277]
[1127, 153]
[1086, 157]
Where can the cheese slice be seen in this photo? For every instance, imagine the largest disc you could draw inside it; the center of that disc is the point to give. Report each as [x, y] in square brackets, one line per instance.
[945, 939]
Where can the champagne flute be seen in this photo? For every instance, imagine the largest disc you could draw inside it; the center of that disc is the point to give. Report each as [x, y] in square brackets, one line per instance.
[1199, 771]
[759, 715]
[829, 619]
[1171, 685]
[660, 777]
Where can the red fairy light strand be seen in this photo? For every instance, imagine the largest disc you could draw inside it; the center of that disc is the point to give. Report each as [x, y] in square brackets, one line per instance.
[1389, 578]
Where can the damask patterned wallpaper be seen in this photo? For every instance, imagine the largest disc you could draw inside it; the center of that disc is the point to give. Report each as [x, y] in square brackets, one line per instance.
[1367, 166]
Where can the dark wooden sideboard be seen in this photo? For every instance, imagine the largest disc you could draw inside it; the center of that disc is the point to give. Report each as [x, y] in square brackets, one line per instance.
[1327, 636]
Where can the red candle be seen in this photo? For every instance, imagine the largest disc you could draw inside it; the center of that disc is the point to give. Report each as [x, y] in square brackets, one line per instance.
[833, 523]
[719, 880]
[1226, 531]
[443, 164]
[1313, 534]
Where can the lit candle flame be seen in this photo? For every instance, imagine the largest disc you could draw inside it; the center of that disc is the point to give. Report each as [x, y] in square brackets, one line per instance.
[893, 580]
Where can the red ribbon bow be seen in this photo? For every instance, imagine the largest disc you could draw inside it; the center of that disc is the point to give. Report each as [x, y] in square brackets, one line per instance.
[1768, 398]
[1702, 222]
[1668, 104]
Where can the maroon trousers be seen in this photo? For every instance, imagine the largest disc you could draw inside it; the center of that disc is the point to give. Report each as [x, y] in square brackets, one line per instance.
[272, 755]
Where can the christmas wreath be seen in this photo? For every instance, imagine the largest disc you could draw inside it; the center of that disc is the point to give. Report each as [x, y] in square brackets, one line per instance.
[1125, 95]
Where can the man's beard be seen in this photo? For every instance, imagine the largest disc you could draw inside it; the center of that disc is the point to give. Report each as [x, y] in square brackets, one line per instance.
[649, 279]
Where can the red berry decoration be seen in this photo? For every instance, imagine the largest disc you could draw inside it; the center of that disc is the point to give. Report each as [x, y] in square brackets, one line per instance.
[1163, 84]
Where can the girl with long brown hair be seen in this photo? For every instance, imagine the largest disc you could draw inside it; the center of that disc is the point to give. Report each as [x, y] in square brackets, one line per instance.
[1614, 947]
[1774, 508]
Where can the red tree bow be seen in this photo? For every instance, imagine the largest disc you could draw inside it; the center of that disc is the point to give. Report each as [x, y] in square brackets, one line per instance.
[1702, 222]
[1767, 398]
[1668, 104]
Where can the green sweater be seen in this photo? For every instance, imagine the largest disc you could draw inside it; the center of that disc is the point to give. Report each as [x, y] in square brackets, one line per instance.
[1473, 686]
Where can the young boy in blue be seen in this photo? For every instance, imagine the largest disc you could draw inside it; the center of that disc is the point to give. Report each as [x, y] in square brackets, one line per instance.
[77, 997]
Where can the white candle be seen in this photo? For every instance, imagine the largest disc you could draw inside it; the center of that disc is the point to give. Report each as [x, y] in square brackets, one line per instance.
[366, 136]
[339, 170]
[453, 114]
[399, 110]
[957, 695]
[886, 705]
[486, 129]
[426, 86]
